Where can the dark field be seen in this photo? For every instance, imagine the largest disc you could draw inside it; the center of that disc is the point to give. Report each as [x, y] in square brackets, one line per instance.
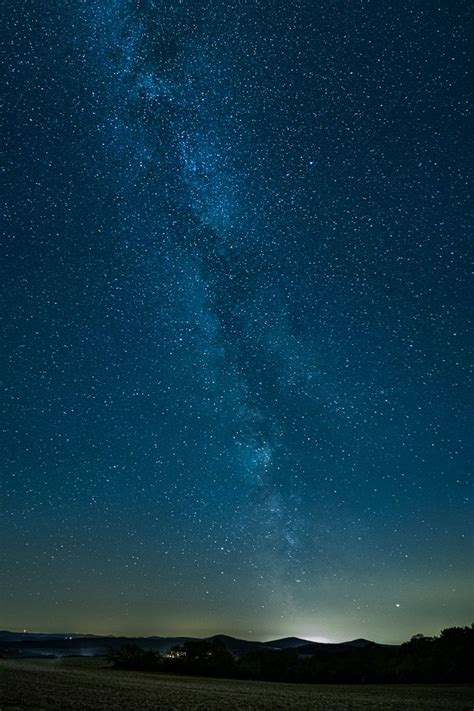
[91, 684]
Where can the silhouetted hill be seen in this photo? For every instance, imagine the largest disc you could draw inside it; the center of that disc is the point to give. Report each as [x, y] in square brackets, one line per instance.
[6, 636]
[43, 644]
[287, 643]
[238, 646]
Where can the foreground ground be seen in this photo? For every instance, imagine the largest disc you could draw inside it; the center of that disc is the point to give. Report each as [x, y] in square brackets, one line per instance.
[89, 684]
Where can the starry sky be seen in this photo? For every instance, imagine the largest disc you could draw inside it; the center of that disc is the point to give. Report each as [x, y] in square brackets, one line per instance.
[235, 385]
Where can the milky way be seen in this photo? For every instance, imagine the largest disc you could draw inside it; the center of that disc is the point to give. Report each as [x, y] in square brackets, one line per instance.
[236, 365]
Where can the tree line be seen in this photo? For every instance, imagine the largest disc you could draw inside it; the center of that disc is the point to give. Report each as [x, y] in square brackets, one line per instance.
[448, 657]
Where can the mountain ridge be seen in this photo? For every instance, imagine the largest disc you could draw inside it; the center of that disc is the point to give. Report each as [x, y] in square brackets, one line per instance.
[76, 644]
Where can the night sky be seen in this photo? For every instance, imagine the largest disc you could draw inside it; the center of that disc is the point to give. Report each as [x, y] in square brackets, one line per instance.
[235, 385]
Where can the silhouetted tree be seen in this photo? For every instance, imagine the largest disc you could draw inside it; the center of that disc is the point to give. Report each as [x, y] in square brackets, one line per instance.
[446, 658]
[130, 656]
[208, 657]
